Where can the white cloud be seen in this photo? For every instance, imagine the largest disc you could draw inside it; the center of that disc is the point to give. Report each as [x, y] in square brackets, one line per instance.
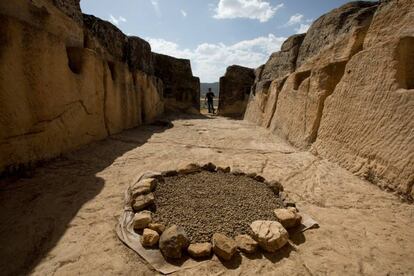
[116, 21]
[184, 13]
[303, 28]
[169, 48]
[252, 9]
[156, 6]
[209, 61]
[298, 20]
[295, 19]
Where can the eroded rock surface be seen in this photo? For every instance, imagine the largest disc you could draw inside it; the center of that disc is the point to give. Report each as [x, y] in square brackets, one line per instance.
[181, 89]
[68, 79]
[70, 8]
[348, 98]
[333, 27]
[279, 65]
[235, 88]
[374, 138]
[283, 63]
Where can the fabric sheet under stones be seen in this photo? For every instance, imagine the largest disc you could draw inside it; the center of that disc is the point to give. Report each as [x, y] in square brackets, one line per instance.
[205, 203]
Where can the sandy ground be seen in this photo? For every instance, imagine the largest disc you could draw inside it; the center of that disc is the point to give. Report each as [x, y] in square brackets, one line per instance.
[60, 219]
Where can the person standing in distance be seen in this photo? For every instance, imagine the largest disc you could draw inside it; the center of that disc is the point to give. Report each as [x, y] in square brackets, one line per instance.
[210, 101]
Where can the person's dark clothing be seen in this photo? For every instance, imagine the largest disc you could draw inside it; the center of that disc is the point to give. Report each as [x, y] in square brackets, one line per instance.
[210, 101]
[210, 96]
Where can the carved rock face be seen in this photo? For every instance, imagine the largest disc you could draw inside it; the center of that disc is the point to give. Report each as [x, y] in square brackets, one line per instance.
[331, 26]
[235, 88]
[71, 8]
[181, 89]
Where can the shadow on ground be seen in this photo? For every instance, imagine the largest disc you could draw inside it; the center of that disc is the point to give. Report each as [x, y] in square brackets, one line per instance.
[37, 207]
[282, 253]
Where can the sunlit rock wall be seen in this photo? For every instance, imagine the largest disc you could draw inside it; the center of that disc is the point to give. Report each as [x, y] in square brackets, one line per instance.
[279, 65]
[350, 96]
[368, 123]
[62, 86]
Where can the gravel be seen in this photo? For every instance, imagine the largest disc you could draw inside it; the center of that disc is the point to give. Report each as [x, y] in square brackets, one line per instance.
[205, 203]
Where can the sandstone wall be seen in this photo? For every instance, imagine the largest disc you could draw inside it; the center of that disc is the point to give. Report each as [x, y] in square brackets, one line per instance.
[181, 89]
[59, 91]
[71, 8]
[349, 97]
[331, 27]
[134, 94]
[235, 88]
[279, 65]
[367, 124]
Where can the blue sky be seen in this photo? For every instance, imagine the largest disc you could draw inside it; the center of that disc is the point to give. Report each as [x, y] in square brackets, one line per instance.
[212, 33]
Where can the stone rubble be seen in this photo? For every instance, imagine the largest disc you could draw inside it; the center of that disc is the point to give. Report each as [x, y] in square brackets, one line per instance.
[200, 250]
[209, 167]
[223, 169]
[223, 246]
[143, 201]
[246, 244]
[149, 238]
[145, 186]
[158, 227]
[289, 217]
[142, 219]
[173, 241]
[270, 235]
[275, 186]
[188, 169]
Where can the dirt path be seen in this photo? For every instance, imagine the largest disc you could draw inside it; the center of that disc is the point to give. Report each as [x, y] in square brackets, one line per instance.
[61, 219]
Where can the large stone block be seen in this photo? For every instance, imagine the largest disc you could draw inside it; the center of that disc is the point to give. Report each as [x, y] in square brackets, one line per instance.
[283, 62]
[330, 28]
[181, 88]
[139, 55]
[235, 88]
[112, 42]
[279, 66]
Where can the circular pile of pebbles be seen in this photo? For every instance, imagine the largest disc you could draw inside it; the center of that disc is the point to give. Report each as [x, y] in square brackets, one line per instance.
[204, 209]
